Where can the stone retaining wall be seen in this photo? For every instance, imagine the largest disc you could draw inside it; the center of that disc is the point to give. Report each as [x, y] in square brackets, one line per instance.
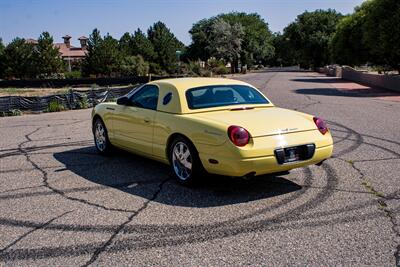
[391, 82]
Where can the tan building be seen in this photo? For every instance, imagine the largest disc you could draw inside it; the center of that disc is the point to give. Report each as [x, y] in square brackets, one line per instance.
[72, 54]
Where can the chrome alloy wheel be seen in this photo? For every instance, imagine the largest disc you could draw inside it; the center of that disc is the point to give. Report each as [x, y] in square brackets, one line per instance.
[182, 161]
[100, 136]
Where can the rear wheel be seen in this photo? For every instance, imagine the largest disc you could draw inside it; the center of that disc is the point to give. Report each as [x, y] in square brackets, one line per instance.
[101, 140]
[185, 162]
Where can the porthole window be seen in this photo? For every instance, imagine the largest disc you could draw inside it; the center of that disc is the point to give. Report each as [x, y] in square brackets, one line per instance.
[167, 98]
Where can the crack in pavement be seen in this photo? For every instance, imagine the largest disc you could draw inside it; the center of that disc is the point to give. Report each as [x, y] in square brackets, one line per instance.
[55, 190]
[102, 248]
[380, 198]
[359, 140]
[313, 102]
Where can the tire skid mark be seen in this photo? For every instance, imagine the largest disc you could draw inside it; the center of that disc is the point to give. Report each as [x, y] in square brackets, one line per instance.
[74, 190]
[38, 227]
[370, 136]
[144, 243]
[18, 151]
[357, 142]
[339, 139]
[141, 228]
[196, 234]
[150, 229]
[206, 234]
[20, 188]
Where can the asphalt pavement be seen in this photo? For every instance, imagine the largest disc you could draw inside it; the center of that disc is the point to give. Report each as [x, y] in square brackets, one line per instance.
[61, 204]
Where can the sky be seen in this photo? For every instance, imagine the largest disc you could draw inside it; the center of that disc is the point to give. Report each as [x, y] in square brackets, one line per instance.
[28, 18]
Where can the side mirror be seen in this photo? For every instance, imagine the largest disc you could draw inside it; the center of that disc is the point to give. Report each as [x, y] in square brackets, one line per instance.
[123, 100]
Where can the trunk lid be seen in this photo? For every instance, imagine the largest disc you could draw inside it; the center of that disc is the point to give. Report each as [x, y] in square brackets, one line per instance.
[262, 121]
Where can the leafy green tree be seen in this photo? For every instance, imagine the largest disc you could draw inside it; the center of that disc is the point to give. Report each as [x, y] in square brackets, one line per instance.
[381, 33]
[347, 46]
[310, 36]
[165, 45]
[134, 66]
[284, 54]
[200, 32]
[226, 41]
[256, 38]
[18, 59]
[46, 56]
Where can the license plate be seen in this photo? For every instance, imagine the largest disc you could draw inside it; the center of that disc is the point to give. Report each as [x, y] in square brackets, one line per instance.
[292, 154]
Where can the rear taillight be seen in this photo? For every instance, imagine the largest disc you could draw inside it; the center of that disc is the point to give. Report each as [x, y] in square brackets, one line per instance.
[238, 135]
[321, 125]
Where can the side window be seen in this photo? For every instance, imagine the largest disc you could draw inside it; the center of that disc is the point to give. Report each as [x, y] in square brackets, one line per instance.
[146, 97]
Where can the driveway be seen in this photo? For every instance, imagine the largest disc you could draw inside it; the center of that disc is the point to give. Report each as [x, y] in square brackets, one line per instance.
[63, 205]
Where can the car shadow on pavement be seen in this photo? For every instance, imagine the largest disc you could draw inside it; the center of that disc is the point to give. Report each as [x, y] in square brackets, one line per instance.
[339, 87]
[346, 92]
[139, 176]
[321, 79]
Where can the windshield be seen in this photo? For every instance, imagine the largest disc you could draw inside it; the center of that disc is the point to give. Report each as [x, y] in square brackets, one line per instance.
[223, 95]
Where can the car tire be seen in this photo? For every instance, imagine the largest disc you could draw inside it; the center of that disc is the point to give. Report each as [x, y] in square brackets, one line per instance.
[100, 134]
[185, 163]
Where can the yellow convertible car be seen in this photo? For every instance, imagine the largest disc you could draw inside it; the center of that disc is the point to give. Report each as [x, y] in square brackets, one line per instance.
[220, 126]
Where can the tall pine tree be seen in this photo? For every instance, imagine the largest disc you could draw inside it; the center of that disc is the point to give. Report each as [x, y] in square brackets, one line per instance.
[46, 56]
[165, 45]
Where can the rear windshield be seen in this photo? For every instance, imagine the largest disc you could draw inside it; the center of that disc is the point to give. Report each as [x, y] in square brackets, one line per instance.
[223, 95]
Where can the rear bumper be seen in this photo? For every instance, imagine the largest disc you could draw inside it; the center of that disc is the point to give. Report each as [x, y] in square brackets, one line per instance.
[261, 165]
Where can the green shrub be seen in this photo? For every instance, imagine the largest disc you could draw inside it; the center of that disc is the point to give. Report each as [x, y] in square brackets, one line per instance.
[220, 70]
[217, 67]
[112, 99]
[83, 102]
[75, 74]
[15, 112]
[206, 73]
[192, 68]
[157, 70]
[134, 66]
[12, 112]
[55, 106]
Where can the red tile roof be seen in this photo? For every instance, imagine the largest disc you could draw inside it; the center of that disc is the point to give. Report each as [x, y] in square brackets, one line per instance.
[31, 41]
[70, 52]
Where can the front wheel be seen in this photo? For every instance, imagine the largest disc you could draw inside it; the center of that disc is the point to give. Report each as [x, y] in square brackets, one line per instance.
[185, 162]
[101, 140]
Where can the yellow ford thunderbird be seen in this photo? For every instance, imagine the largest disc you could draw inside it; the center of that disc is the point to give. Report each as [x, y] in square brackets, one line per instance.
[219, 126]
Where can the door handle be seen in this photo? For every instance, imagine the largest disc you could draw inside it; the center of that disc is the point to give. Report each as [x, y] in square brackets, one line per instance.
[146, 120]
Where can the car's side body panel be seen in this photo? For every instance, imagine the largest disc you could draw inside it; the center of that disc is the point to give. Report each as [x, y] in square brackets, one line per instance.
[138, 138]
[148, 132]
